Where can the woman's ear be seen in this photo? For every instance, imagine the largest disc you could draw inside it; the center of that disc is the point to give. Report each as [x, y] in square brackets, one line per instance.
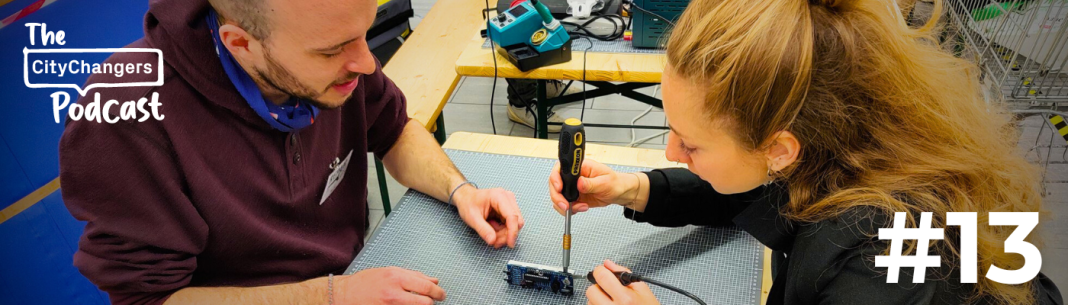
[783, 150]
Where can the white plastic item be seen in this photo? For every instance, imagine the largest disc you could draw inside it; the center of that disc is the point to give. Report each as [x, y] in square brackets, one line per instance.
[582, 8]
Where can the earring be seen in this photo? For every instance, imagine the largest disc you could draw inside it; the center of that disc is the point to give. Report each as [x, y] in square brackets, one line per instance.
[770, 178]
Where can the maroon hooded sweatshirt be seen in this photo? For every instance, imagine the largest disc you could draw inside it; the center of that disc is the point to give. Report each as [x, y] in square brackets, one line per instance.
[211, 195]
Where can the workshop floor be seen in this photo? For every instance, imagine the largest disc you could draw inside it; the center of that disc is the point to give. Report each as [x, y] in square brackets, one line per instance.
[469, 110]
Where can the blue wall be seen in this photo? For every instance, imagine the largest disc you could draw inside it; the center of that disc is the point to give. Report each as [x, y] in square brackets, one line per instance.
[36, 245]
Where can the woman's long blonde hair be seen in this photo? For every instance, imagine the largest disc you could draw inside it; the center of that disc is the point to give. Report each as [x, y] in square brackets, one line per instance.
[885, 118]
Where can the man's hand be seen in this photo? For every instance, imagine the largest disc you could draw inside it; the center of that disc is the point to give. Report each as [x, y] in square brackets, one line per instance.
[493, 213]
[416, 161]
[379, 286]
[608, 290]
[389, 285]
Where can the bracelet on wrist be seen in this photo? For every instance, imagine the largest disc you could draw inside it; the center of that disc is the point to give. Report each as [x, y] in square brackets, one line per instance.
[457, 188]
[330, 289]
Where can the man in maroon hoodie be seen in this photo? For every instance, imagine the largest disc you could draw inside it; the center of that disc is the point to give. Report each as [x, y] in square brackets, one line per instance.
[253, 187]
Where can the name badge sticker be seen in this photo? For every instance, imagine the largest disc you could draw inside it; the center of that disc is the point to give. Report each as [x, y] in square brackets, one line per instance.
[335, 177]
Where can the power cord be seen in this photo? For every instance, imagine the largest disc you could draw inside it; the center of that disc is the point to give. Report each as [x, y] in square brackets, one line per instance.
[582, 29]
[493, 53]
[568, 86]
[487, 10]
[493, 91]
[626, 278]
[529, 106]
[582, 113]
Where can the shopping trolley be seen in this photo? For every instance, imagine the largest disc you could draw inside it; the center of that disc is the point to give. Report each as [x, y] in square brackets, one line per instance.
[1021, 48]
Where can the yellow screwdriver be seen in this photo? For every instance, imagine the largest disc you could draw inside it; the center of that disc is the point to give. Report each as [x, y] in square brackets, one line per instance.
[571, 153]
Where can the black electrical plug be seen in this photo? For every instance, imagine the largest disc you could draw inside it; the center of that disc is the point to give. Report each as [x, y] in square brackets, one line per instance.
[624, 277]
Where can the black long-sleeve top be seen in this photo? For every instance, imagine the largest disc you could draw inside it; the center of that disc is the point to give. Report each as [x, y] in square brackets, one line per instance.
[829, 262]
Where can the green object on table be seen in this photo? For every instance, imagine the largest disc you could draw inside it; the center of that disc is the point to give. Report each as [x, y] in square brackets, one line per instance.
[439, 132]
[382, 187]
[994, 10]
[546, 16]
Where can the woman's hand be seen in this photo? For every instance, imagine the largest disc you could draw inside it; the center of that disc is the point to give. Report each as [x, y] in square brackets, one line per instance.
[608, 290]
[598, 186]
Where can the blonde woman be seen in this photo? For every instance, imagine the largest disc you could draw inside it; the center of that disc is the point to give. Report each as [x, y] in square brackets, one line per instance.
[807, 124]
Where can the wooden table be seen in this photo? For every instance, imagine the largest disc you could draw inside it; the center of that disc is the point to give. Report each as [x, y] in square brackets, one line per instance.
[527, 147]
[598, 69]
[606, 67]
[423, 67]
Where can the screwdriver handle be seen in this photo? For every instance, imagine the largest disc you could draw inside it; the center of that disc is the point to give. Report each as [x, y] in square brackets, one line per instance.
[572, 150]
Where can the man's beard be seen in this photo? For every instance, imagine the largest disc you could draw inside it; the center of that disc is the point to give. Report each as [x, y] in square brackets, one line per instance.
[283, 80]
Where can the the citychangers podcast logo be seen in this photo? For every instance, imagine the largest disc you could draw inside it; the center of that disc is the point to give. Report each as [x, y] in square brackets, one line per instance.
[59, 68]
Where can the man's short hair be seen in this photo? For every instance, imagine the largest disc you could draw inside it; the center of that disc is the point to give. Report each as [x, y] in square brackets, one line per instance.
[250, 15]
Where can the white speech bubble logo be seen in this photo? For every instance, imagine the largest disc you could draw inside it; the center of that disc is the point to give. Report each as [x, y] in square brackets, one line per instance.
[26, 68]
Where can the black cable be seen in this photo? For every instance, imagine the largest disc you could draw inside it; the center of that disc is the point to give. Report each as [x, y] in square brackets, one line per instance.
[568, 86]
[582, 29]
[582, 113]
[493, 52]
[485, 12]
[675, 289]
[586, 35]
[511, 87]
[626, 278]
[529, 106]
[615, 35]
[648, 12]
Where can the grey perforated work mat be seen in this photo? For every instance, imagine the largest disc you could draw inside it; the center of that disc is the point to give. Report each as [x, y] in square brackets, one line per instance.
[719, 265]
[579, 45]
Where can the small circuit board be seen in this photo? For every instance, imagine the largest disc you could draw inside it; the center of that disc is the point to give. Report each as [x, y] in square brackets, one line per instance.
[540, 277]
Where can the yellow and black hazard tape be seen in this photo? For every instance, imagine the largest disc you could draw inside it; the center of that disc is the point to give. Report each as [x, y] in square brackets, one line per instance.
[1060, 125]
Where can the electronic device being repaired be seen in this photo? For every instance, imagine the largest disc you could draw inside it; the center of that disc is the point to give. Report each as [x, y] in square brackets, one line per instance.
[540, 277]
[529, 37]
[558, 280]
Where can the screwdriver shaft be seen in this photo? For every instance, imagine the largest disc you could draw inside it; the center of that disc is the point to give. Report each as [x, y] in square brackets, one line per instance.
[567, 238]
